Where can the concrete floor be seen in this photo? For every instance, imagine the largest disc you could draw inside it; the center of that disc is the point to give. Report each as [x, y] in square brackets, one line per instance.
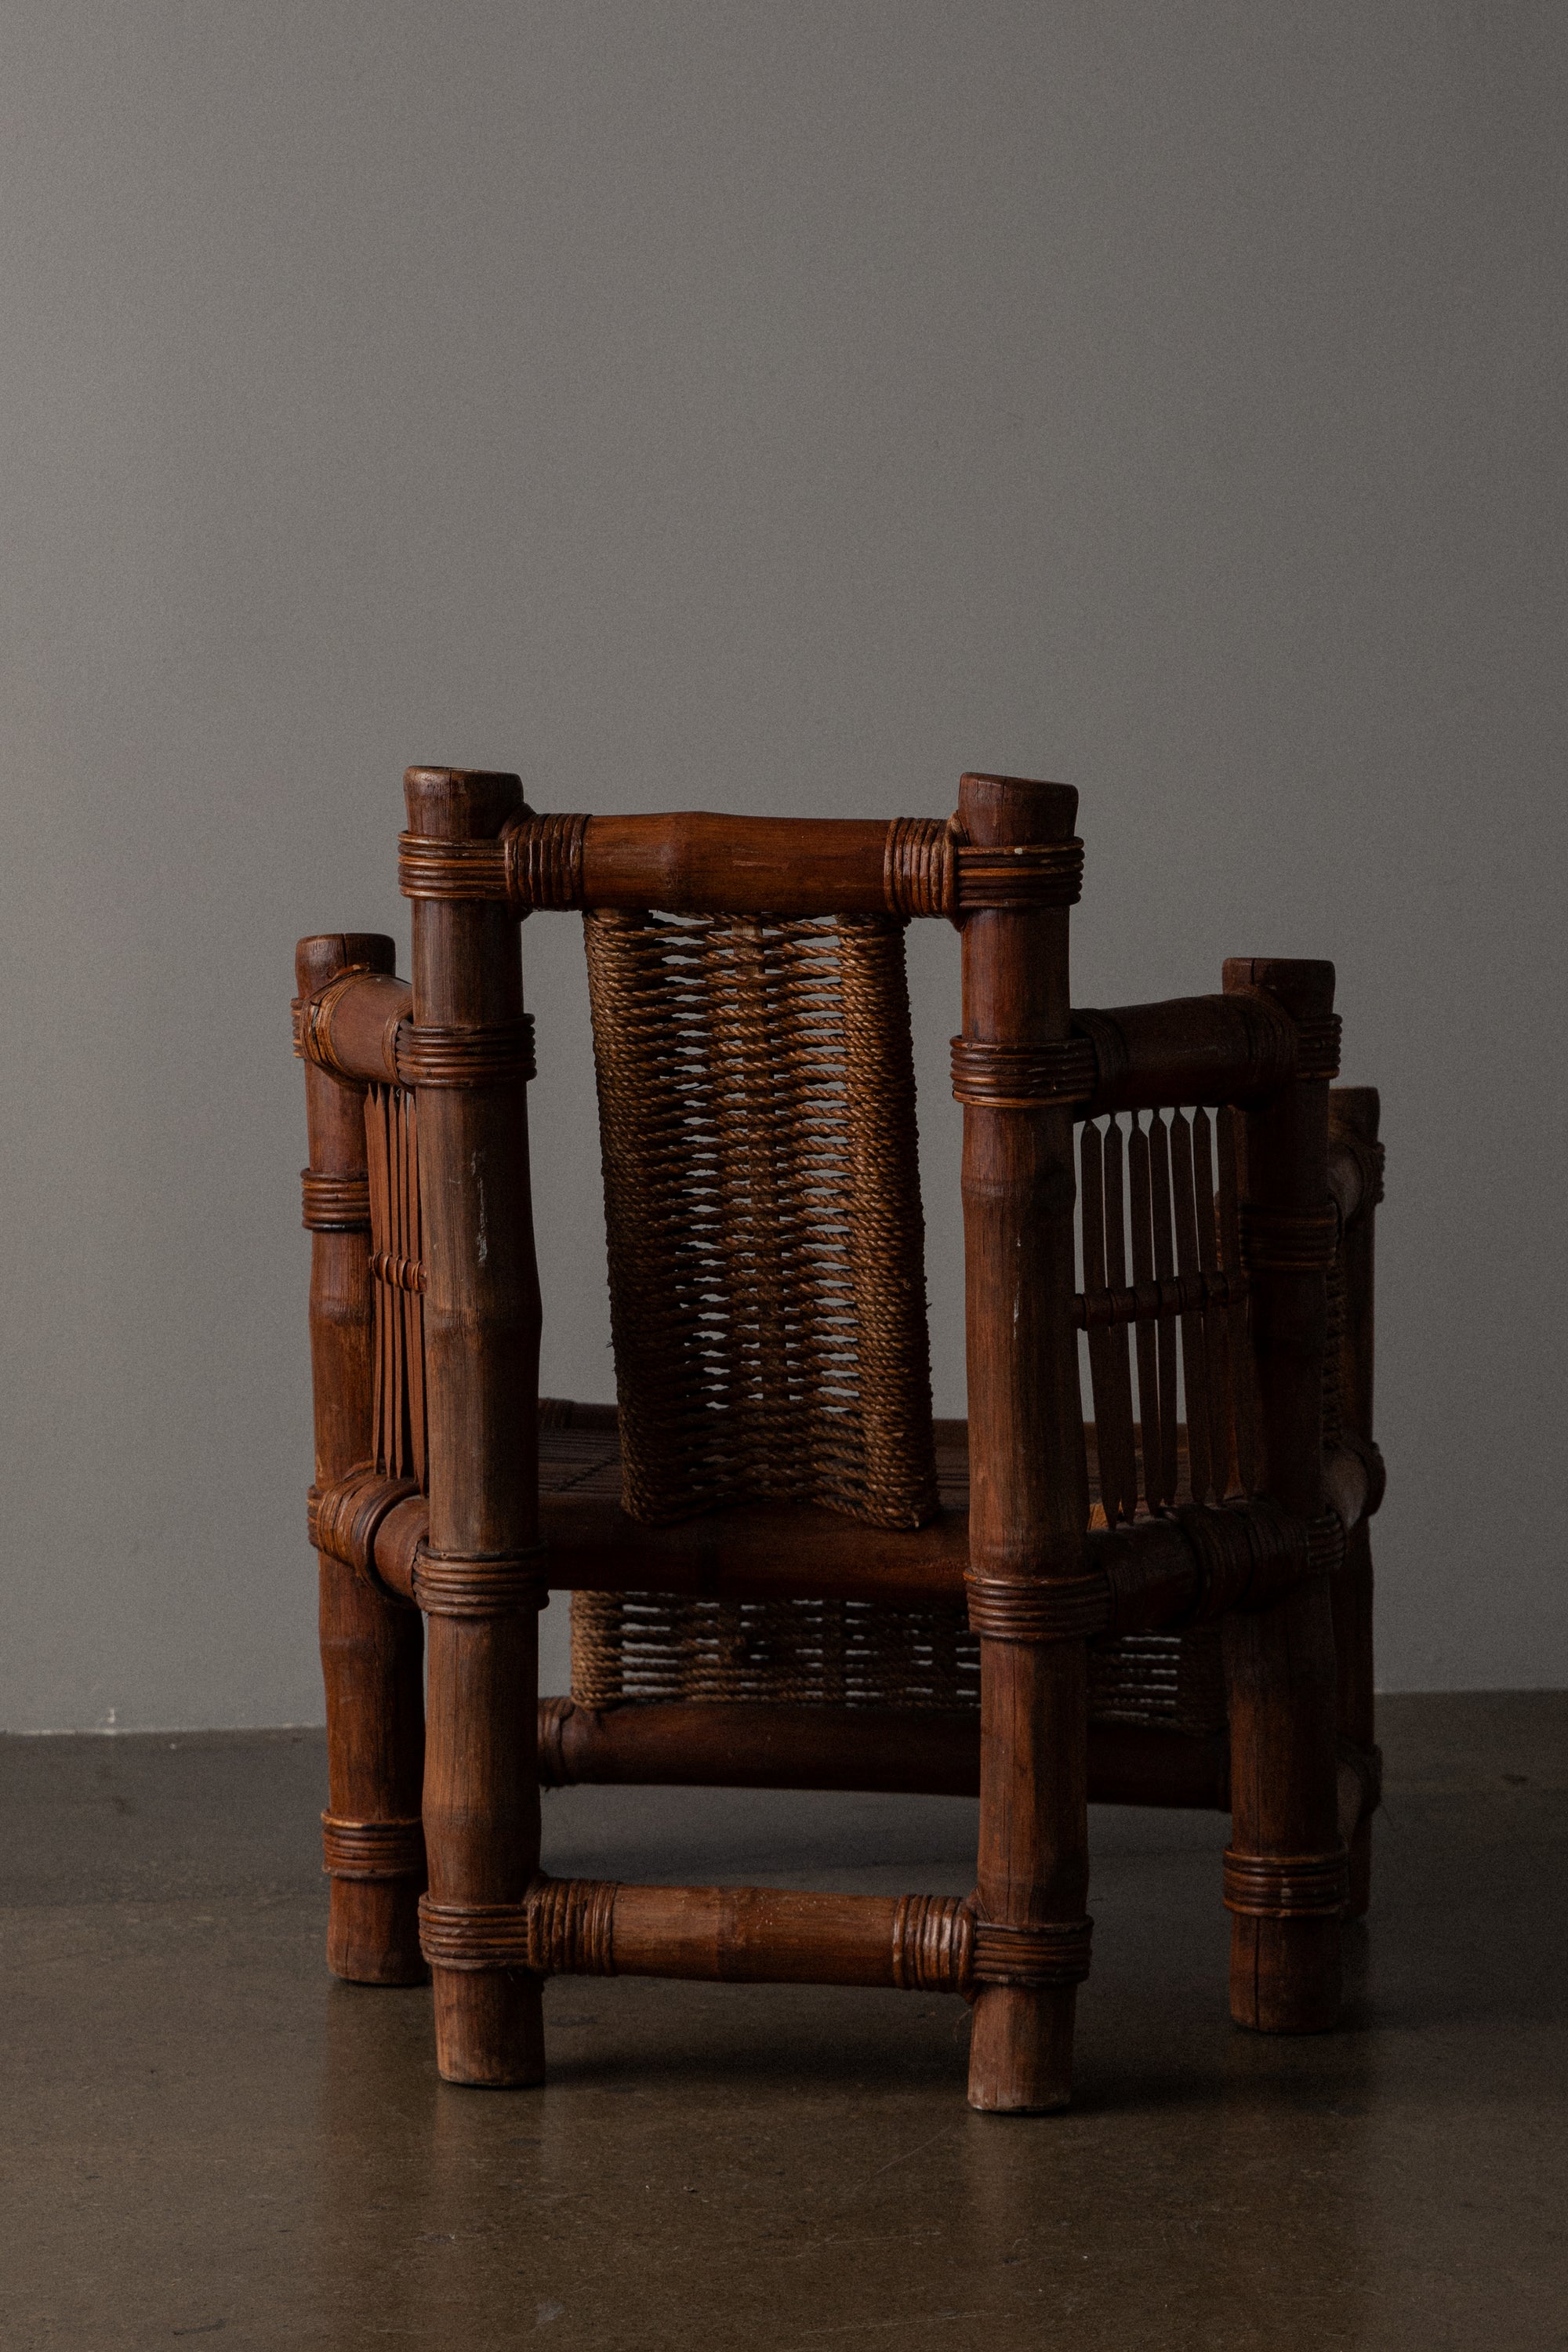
[206, 2136]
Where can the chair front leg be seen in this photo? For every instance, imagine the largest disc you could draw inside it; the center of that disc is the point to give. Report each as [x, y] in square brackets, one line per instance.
[1028, 1484]
[470, 1055]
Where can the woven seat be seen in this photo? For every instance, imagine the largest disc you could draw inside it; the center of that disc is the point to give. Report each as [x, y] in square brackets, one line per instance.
[1138, 1572]
[654, 1647]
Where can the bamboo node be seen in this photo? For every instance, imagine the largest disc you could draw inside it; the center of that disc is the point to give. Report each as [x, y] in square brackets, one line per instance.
[1055, 1953]
[1286, 1886]
[479, 1584]
[934, 1936]
[371, 1849]
[335, 1202]
[1023, 1077]
[1062, 1608]
[499, 1052]
[1022, 876]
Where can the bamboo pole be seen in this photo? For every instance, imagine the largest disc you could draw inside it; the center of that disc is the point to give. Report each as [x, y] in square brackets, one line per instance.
[371, 1651]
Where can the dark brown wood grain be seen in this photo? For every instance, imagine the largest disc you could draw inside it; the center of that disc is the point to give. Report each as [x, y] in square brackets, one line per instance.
[482, 1336]
[371, 1653]
[705, 1745]
[1354, 1116]
[1028, 1478]
[1280, 1664]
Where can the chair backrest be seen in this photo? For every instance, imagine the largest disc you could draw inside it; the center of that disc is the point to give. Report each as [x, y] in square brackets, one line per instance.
[756, 1093]
[762, 1209]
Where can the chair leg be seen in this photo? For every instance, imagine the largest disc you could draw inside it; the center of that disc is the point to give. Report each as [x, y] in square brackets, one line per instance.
[482, 1828]
[1352, 1645]
[1033, 1865]
[1285, 1869]
[373, 1848]
[371, 1661]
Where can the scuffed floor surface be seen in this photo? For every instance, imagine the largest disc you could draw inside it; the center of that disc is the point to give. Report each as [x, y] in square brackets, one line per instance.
[206, 2139]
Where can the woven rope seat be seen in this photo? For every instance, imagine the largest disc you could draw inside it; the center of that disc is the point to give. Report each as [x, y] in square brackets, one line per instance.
[663, 1646]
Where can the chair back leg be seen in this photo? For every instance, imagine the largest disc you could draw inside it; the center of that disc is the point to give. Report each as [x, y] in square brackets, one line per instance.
[372, 1650]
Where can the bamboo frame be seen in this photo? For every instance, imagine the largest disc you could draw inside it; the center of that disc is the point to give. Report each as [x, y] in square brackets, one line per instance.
[478, 1552]
[1186, 1050]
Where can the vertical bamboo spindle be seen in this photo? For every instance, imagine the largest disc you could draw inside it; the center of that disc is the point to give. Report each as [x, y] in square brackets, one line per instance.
[1353, 1113]
[1285, 1869]
[1028, 1493]
[481, 1327]
[370, 1650]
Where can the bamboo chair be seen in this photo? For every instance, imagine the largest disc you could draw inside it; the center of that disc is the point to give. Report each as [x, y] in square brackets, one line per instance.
[783, 1573]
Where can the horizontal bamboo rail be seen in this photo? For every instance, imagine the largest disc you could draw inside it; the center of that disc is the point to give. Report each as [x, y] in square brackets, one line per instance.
[701, 1744]
[1191, 1564]
[1200, 1049]
[736, 1935]
[1189, 1050]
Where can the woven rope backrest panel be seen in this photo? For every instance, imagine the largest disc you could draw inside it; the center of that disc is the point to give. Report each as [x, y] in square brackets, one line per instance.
[761, 1198]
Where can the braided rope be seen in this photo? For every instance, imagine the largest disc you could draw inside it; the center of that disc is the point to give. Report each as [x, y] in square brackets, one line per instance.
[762, 1212]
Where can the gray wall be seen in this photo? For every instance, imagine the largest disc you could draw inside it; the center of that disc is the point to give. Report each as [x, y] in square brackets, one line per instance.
[758, 407]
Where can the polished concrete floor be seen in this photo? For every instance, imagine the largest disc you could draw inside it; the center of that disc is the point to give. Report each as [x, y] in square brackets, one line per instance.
[206, 2137]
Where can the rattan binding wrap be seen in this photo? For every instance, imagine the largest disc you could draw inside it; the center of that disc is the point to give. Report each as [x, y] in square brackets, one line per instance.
[762, 1196]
